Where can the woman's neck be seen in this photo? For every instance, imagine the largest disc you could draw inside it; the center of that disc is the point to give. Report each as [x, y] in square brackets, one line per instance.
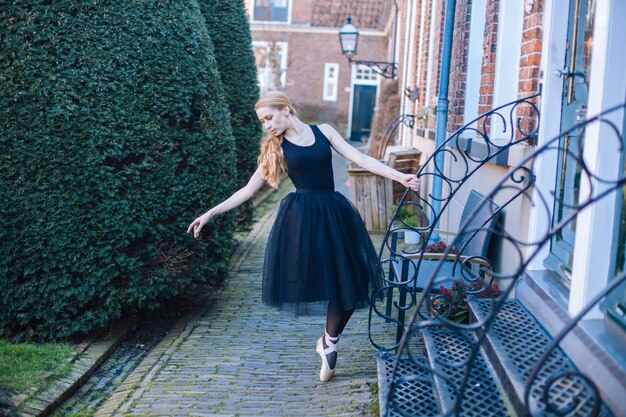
[296, 130]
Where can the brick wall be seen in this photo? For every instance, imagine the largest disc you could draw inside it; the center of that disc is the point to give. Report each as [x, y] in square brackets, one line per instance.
[530, 61]
[425, 106]
[306, 55]
[458, 70]
[487, 75]
[312, 41]
[302, 11]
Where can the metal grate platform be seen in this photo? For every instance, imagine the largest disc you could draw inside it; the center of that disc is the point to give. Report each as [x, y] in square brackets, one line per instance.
[518, 341]
[409, 398]
[447, 350]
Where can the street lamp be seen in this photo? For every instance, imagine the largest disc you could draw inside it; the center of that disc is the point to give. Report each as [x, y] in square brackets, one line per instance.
[349, 37]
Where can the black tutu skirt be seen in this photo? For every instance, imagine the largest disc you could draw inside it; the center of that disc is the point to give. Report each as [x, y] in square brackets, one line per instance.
[318, 250]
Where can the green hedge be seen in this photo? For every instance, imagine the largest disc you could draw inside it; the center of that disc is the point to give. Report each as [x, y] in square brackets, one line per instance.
[229, 30]
[114, 136]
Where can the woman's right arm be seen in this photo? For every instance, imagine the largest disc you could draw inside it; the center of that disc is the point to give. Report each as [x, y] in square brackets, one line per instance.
[238, 198]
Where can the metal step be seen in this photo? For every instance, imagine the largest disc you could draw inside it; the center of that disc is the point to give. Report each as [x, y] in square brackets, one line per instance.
[413, 393]
[514, 345]
[447, 351]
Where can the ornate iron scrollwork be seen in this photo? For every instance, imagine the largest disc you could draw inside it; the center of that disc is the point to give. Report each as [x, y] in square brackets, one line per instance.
[407, 119]
[427, 309]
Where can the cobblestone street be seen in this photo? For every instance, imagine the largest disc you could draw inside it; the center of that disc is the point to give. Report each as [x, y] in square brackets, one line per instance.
[245, 359]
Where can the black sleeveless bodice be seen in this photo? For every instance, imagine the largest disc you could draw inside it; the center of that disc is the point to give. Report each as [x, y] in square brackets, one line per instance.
[318, 249]
[310, 167]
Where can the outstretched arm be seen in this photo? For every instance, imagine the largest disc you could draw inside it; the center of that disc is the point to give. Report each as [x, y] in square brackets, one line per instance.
[365, 161]
[238, 198]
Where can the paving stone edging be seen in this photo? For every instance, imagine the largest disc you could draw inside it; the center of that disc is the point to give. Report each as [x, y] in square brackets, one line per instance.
[86, 358]
[138, 380]
[94, 350]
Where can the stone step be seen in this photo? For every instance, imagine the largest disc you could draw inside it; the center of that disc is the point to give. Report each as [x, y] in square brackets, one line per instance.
[447, 352]
[514, 345]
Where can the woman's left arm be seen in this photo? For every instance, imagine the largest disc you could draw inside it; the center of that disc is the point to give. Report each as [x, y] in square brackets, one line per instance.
[365, 161]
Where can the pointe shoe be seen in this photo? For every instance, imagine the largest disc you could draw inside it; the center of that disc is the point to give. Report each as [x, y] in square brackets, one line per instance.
[325, 372]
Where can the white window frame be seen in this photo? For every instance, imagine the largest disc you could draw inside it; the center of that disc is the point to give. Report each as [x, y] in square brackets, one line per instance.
[607, 84]
[552, 58]
[594, 225]
[431, 53]
[408, 64]
[289, 11]
[330, 82]
[509, 45]
[474, 60]
[284, 47]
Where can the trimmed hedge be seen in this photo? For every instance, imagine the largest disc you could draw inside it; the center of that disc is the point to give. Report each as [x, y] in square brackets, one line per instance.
[114, 136]
[229, 30]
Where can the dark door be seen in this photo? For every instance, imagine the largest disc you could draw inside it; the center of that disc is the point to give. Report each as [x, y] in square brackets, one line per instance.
[363, 104]
[575, 76]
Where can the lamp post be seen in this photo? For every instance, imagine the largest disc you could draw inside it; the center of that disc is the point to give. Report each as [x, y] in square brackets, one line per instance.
[349, 37]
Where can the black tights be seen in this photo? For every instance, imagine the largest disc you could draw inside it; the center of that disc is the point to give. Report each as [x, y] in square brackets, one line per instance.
[336, 318]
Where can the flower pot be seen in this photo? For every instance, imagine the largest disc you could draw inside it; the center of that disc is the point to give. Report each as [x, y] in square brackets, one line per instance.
[411, 237]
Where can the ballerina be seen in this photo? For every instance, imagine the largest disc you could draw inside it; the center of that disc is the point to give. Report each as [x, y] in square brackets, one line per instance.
[318, 250]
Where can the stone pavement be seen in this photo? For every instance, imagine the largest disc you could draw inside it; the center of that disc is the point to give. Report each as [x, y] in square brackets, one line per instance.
[245, 359]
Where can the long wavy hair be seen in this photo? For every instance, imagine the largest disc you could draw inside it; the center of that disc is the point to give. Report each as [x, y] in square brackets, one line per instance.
[271, 160]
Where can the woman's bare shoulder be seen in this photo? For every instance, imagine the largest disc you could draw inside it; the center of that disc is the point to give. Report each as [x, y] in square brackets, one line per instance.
[329, 131]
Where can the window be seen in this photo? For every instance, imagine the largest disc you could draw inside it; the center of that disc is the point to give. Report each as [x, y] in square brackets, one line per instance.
[474, 58]
[271, 11]
[364, 73]
[271, 64]
[331, 81]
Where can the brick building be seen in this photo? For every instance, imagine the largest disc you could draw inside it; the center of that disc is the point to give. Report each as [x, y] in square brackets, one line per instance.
[297, 50]
[502, 50]
[569, 50]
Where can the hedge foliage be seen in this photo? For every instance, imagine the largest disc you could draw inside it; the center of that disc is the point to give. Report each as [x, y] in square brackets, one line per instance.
[228, 28]
[114, 136]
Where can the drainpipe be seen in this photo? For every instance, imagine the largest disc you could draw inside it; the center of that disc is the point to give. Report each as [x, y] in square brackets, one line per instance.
[442, 111]
[395, 30]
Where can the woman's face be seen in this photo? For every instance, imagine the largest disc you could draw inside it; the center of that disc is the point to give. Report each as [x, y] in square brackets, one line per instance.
[275, 121]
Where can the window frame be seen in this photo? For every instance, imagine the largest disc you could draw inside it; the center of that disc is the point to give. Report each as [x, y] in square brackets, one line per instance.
[274, 22]
[284, 48]
[327, 80]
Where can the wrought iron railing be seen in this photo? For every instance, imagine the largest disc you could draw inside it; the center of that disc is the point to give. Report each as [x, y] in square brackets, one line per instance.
[404, 119]
[429, 310]
[468, 149]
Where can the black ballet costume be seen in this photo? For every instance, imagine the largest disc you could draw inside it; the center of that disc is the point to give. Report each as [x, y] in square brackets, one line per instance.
[318, 249]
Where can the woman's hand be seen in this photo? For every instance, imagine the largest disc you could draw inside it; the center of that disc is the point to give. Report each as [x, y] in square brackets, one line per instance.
[410, 181]
[199, 223]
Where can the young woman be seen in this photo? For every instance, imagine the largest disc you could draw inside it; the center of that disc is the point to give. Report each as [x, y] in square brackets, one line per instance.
[318, 249]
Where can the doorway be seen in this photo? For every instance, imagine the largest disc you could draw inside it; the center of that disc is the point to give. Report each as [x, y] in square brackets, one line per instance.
[362, 104]
[575, 74]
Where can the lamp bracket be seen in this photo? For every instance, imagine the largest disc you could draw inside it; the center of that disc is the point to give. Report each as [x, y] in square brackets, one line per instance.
[384, 69]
